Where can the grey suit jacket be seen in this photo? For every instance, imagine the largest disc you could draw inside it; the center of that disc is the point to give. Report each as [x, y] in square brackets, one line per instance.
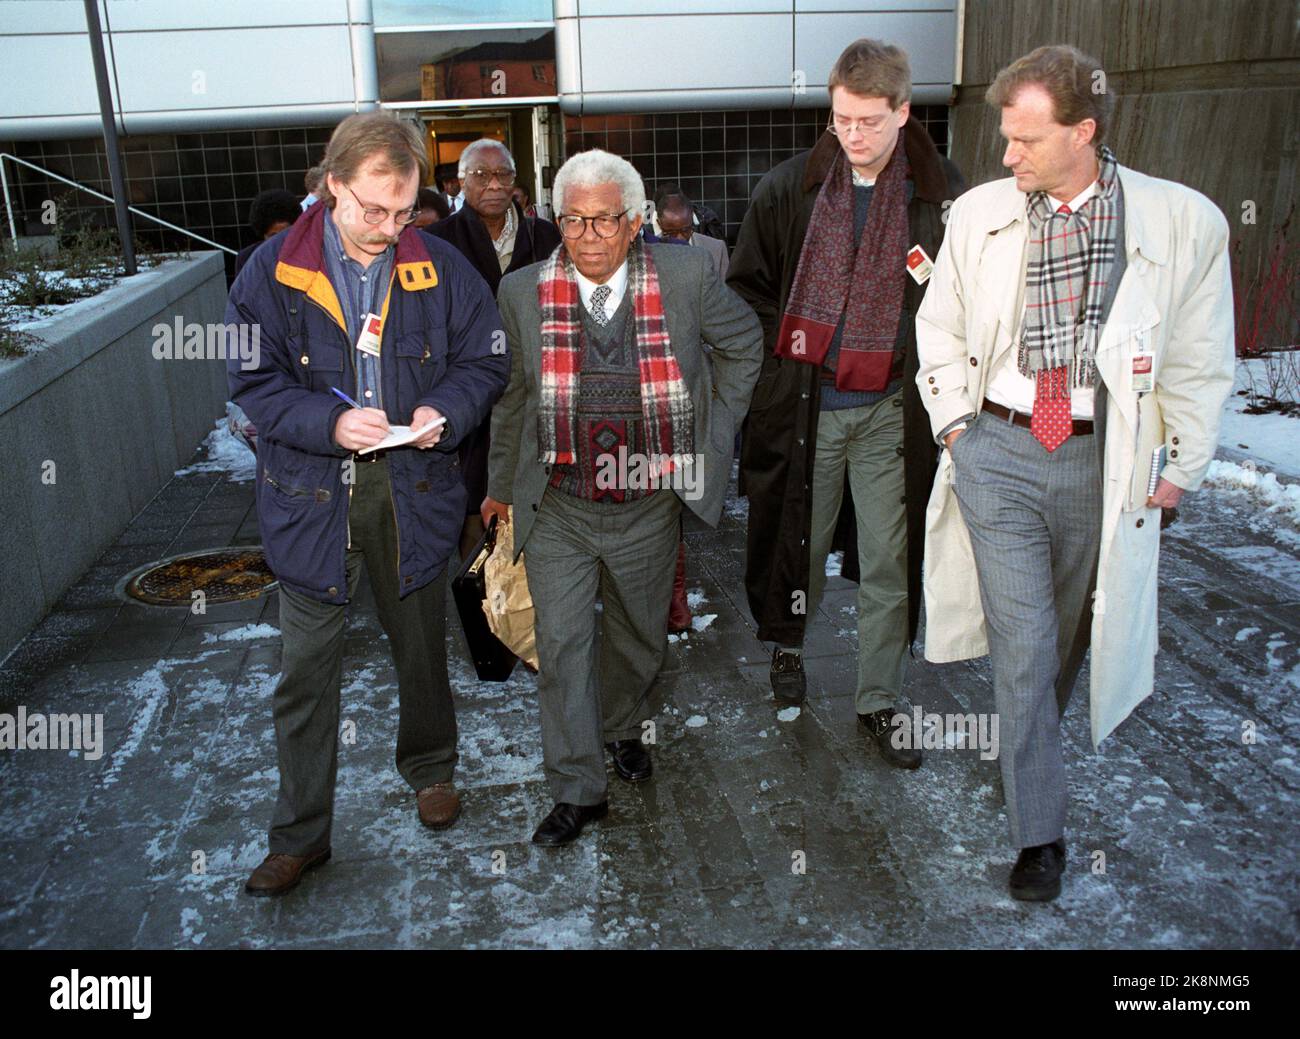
[718, 343]
[717, 250]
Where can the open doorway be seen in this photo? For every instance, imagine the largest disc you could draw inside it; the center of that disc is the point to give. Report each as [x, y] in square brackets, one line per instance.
[449, 134]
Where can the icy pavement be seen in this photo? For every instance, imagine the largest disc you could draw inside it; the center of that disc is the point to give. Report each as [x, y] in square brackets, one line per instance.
[760, 829]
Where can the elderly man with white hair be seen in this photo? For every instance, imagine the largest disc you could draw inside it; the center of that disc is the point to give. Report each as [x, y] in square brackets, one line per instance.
[631, 369]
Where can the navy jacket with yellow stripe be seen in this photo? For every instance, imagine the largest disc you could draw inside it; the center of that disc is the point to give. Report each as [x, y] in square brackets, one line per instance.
[441, 346]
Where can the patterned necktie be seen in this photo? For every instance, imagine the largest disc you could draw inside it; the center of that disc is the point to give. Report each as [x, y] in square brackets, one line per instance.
[597, 307]
[1050, 421]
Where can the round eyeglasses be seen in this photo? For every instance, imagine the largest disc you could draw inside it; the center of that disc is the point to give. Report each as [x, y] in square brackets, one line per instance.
[606, 225]
[377, 215]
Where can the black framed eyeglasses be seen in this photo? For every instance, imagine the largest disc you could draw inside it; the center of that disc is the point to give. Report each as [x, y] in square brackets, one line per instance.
[606, 225]
[377, 215]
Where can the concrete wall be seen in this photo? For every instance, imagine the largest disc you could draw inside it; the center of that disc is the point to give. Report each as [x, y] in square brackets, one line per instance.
[114, 421]
[1208, 93]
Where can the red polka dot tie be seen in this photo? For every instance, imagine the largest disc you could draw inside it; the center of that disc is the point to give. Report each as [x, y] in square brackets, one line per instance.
[1051, 422]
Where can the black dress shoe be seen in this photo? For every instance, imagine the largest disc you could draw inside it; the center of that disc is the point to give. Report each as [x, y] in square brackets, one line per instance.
[880, 727]
[1036, 876]
[789, 683]
[631, 760]
[565, 822]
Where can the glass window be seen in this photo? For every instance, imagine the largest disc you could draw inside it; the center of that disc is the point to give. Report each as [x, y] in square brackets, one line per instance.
[460, 12]
[466, 65]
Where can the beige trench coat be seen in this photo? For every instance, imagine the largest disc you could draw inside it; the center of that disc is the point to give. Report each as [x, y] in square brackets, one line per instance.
[1175, 300]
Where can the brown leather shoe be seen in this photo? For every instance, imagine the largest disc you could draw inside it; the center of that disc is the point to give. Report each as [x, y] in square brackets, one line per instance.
[280, 873]
[439, 805]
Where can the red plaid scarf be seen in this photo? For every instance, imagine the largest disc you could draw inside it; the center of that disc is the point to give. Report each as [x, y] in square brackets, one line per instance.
[831, 264]
[665, 400]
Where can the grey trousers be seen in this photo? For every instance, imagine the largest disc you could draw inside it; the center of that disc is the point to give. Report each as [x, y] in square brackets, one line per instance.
[627, 553]
[868, 442]
[1035, 528]
[306, 699]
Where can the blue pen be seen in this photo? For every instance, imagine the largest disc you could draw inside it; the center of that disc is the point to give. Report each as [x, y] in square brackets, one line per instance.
[343, 396]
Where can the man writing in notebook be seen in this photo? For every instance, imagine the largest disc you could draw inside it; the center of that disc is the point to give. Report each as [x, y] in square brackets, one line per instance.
[1079, 320]
[355, 304]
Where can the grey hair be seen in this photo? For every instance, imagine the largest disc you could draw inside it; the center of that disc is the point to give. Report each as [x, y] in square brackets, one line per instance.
[593, 168]
[478, 146]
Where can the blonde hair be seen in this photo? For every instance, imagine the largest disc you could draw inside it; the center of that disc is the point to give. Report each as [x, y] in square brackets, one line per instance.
[359, 138]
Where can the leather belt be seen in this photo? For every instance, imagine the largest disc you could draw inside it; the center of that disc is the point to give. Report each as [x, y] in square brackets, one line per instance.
[1079, 427]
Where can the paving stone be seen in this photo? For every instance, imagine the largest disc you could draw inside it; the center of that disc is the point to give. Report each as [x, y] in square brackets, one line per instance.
[760, 828]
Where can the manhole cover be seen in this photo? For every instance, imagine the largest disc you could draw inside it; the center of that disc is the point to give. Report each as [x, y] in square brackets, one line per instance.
[222, 575]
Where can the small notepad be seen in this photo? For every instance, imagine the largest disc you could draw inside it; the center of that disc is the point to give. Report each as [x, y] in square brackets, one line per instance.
[399, 435]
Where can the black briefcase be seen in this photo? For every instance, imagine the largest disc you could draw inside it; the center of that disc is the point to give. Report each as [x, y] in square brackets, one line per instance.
[492, 659]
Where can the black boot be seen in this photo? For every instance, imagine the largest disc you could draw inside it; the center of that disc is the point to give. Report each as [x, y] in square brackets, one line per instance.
[880, 728]
[789, 683]
[1036, 876]
[631, 760]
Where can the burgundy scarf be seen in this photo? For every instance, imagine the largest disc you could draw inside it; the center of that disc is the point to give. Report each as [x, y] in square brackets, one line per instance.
[665, 400]
[831, 264]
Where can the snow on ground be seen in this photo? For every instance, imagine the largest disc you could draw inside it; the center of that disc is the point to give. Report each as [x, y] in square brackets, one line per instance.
[1274, 498]
[225, 454]
[244, 634]
[695, 599]
[1272, 440]
[737, 508]
[32, 319]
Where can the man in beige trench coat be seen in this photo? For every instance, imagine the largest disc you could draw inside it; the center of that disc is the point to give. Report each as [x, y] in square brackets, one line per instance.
[1078, 320]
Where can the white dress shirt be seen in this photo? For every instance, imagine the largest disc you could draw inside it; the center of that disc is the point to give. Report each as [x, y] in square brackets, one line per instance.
[617, 286]
[1006, 386]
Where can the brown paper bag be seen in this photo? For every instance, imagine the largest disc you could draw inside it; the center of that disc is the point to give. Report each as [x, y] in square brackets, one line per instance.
[508, 604]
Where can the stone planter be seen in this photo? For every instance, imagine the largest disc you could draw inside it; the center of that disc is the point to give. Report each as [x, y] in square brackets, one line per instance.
[93, 425]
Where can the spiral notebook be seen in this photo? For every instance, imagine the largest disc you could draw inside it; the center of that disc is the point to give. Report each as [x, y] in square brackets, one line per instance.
[1157, 464]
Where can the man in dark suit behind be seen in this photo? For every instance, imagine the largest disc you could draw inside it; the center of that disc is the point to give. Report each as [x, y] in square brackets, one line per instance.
[631, 369]
[492, 232]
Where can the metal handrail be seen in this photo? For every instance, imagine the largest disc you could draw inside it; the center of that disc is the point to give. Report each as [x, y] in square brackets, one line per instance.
[13, 226]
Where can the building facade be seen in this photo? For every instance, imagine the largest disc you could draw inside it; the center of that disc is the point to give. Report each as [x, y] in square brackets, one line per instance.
[219, 99]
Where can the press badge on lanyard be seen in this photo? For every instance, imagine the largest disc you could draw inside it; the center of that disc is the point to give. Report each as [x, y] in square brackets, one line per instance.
[919, 265]
[368, 340]
[1142, 373]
